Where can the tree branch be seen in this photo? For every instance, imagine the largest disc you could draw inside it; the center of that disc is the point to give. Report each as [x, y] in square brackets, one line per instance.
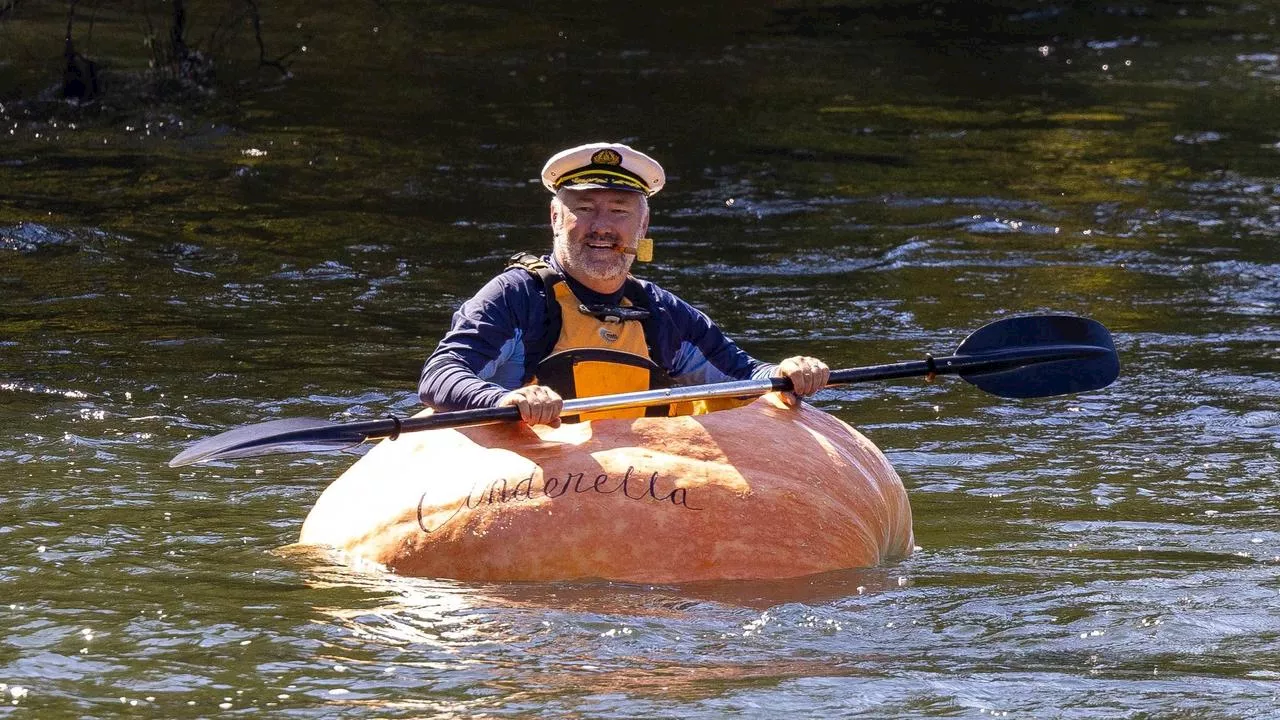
[8, 7]
[256, 17]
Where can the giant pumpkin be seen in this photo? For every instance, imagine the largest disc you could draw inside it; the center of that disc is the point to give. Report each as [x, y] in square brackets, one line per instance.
[761, 491]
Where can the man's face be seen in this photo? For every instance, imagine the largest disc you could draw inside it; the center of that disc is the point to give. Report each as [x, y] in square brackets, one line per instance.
[589, 226]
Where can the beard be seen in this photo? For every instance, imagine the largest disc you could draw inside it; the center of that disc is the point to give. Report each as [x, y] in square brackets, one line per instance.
[593, 265]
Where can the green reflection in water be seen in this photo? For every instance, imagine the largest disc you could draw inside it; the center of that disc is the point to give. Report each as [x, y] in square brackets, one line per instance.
[900, 172]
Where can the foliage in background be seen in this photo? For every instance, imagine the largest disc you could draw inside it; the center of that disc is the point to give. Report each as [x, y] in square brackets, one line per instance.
[135, 52]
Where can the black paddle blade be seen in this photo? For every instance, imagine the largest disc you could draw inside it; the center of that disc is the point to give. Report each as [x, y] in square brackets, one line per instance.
[1090, 360]
[290, 435]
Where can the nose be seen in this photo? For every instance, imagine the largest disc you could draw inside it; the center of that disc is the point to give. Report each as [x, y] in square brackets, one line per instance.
[600, 223]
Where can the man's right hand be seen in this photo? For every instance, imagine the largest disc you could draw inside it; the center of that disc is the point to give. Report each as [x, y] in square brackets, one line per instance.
[538, 404]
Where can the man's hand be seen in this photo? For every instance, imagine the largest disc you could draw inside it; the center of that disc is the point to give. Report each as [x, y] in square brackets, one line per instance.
[808, 376]
[539, 405]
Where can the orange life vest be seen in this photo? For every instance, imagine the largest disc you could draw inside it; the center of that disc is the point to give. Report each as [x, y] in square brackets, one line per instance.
[600, 350]
[604, 350]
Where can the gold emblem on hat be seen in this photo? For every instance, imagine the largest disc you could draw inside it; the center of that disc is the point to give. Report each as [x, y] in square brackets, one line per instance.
[607, 156]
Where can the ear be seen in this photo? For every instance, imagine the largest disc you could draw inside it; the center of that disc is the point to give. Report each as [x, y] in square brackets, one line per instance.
[556, 213]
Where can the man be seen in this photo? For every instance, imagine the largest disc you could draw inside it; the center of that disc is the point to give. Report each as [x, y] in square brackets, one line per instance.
[576, 324]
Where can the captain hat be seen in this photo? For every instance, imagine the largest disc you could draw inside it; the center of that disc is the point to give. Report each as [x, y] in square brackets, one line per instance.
[603, 166]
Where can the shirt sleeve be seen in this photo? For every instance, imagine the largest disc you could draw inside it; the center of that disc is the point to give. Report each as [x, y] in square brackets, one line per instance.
[695, 351]
[483, 356]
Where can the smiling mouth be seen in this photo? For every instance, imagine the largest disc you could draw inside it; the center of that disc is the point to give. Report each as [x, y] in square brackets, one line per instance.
[604, 244]
[614, 248]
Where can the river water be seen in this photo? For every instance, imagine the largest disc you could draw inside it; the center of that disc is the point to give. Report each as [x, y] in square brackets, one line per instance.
[866, 182]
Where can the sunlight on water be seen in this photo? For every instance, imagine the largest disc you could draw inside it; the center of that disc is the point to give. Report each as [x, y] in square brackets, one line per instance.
[851, 183]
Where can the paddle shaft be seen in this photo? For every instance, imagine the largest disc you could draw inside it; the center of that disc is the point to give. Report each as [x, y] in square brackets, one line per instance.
[1016, 357]
[948, 365]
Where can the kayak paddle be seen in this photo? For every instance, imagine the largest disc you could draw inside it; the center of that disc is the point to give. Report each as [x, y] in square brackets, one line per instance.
[1017, 357]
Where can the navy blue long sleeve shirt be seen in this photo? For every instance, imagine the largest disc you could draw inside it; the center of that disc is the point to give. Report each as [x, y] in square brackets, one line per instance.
[499, 336]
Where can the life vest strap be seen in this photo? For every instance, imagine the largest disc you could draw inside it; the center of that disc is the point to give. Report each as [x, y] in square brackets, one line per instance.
[613, 313]
[542, 270]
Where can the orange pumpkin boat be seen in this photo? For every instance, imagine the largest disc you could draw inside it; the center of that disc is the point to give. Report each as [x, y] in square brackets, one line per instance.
[759, 492]
[762, 491]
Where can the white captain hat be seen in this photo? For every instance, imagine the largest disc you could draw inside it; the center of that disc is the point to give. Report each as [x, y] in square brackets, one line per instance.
[607, 166]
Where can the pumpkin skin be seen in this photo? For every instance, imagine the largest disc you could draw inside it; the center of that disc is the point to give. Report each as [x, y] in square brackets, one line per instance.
[758, 492]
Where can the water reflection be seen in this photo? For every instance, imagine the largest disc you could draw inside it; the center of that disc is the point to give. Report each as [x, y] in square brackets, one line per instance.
[867, 181]
[554, 642]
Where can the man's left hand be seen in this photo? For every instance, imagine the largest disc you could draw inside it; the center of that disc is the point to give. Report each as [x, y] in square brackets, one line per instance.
[808, 376]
